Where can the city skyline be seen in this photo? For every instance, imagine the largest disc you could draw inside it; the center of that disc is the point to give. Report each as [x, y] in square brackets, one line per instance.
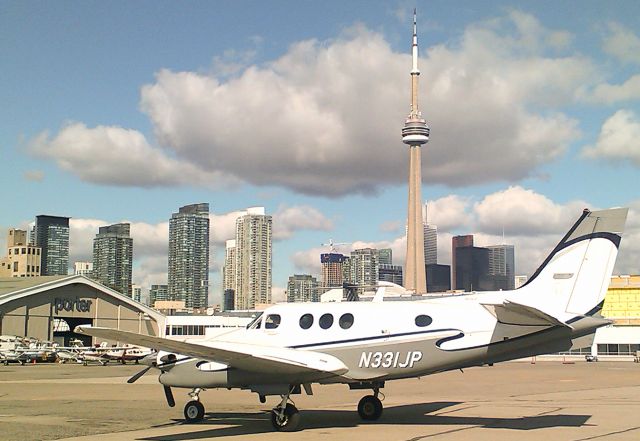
[520, 98]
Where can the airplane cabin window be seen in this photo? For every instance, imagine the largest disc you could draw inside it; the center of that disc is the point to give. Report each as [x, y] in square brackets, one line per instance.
[346, 321]
[306, 321]
[272, 321]
[423, 320]
[326, 320]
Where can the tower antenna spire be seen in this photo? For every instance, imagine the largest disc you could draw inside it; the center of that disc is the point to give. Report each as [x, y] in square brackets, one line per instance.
[414, 70]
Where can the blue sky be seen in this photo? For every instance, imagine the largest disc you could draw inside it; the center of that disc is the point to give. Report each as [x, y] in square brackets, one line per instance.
[117, 111]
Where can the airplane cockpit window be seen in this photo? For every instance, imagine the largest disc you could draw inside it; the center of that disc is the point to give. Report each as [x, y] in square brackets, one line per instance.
[346, 321]
[272, 321]
[255, 323]
[326, 320]
[423, 320]
[306, 321]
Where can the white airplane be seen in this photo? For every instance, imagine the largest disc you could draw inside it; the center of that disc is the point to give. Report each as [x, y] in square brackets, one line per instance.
[365, 344]
[128, 353]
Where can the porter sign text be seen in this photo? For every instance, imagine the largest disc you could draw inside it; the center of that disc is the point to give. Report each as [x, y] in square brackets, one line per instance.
[70, 305]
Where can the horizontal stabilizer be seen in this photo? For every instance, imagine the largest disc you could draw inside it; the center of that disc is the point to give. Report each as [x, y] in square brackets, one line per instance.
[511, 313]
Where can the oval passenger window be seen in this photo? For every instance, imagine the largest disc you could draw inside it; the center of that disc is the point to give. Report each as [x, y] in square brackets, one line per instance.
[306, 321]
[326, 320]
[423, 320]
[346, 321]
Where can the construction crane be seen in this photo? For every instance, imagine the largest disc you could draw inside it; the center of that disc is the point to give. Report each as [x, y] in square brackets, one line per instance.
[332, 245]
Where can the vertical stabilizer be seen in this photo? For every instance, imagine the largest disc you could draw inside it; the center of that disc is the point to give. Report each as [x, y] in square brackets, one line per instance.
[574, 278]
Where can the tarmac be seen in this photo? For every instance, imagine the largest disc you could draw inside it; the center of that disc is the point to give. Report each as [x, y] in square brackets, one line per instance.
[548, 400]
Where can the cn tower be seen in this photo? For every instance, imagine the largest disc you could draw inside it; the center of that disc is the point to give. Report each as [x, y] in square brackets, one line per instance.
[414, 134]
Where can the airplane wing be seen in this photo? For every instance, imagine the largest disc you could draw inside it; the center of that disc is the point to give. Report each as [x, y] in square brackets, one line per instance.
[511, 313]
[244, 356]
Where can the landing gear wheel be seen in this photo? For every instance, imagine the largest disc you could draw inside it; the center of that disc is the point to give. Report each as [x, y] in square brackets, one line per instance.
[288, 421]
[370, 408]
[193, 411]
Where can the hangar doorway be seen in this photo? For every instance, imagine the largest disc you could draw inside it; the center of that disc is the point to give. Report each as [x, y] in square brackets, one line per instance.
[63, 330]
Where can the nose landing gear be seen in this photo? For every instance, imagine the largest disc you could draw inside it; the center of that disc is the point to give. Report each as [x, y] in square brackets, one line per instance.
[194, 409]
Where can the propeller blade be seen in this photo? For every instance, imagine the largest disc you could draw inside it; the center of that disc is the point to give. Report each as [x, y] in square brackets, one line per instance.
[167, 392]
[137, 376]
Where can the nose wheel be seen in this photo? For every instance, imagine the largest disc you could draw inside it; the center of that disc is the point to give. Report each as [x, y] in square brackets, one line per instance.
[193, 411]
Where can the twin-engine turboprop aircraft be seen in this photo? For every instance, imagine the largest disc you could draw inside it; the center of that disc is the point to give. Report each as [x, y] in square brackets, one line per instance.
[365, 344]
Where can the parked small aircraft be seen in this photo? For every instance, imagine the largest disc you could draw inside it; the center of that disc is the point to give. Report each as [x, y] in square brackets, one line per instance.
[365, 344]
[125, 354]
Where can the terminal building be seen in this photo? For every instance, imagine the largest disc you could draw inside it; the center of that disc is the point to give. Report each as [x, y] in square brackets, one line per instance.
[50, 307]
[622, 305]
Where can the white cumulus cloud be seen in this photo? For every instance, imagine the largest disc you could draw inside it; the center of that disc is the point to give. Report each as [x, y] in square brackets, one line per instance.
[117, 156]
[449, 213]
[613, 93]
[619, 139]
[518, 211]
[287, 220]
[622, 43]
[318, 119]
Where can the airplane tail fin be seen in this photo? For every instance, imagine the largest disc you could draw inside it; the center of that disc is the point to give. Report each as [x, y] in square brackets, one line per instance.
[573, 279]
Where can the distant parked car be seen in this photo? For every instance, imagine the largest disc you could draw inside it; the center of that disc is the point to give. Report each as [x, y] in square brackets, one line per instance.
[591, 358]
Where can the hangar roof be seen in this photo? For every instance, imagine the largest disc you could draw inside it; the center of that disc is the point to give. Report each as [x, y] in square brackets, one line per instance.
[12, 284]
[14, 288]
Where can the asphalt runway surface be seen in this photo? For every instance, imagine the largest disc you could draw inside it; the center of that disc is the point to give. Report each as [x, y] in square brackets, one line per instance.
[518, 400]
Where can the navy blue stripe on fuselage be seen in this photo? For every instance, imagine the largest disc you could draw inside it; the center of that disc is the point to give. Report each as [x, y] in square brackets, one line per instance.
[495, 343]
[371, 338]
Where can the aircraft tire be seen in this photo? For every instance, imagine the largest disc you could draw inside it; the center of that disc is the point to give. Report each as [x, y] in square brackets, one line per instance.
[370, 408]
[193, 411]
[290, 421]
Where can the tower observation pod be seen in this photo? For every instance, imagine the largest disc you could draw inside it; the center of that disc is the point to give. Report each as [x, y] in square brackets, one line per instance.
[415, 133]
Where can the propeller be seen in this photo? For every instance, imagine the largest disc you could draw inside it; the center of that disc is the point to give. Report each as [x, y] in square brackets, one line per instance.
[149, 360]
[166, 361]
[138, 375]
[167, 393]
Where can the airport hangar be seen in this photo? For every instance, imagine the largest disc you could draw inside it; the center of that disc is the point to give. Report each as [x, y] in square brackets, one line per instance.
[50, 307]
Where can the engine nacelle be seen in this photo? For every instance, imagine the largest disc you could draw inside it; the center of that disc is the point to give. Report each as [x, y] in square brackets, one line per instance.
[196, 373]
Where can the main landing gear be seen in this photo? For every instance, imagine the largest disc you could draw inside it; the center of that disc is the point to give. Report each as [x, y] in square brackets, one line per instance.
[370, 406]
[285, 416]
[194, 409]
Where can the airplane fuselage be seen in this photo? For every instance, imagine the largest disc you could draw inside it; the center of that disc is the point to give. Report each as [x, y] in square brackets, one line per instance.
[381, 341]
